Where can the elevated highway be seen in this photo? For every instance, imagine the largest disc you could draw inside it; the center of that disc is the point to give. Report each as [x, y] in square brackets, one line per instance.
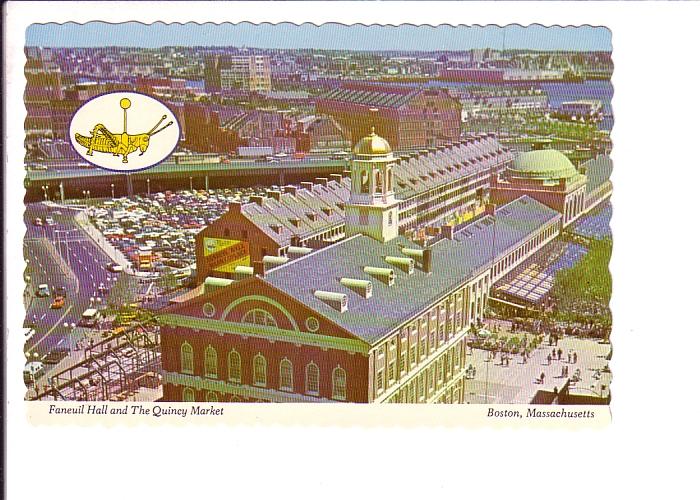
[71, 182]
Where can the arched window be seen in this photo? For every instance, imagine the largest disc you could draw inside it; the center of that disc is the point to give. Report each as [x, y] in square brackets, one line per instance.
[389, 180]
[364, 182]
[188, 395]
[186, 358]
[210, 362]
[390, 218]
[234, 367]
[286, 375]
[339, 380]
[259, 317]
[312, 378]
[259, 370]
[212, 397]
[378, 182]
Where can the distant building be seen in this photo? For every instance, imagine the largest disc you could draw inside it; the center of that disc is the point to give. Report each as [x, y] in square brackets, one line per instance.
[324, 134]
[407, 117]
[224, 73]
[548, 176]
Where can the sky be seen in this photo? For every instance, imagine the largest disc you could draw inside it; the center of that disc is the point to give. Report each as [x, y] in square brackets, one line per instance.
[330, 36]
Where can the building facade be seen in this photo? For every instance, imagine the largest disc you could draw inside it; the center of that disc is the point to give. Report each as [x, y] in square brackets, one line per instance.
[374, 318]
[408, 118]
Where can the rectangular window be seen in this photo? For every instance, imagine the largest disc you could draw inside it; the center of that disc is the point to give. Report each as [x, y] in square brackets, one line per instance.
[380, 381]
[392, 372]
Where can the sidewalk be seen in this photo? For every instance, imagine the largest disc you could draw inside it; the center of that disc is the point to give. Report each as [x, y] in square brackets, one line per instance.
[516, 383]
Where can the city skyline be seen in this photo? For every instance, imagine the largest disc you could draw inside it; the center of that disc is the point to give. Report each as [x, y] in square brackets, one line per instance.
[328, 36]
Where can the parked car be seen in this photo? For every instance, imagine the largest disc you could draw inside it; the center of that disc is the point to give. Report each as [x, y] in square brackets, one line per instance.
[114, 267]
[58, 302]
[43, 290]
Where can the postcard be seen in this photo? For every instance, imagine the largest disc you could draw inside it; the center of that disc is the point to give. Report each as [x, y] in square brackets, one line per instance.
[361, 215]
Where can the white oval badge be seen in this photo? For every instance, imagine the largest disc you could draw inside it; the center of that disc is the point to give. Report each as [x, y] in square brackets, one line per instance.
[124, 131]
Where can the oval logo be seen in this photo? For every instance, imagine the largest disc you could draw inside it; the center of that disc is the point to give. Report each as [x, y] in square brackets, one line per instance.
[124, 131]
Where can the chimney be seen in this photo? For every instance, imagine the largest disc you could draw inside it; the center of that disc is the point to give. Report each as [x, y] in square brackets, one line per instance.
[337, 178]
[275, 195]
[321, 180]
[259, 268]
[427, 260]
[257, 199]
[235, 207]
[291, 190]
[307, 185]
[447, 231]
[490, 209]
[296, 241]
[347, 173]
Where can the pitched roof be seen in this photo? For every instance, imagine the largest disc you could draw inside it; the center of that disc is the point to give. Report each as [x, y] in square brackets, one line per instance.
[473, 249]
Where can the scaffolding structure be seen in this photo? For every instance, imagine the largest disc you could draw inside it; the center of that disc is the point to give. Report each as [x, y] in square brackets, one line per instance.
[112, 369]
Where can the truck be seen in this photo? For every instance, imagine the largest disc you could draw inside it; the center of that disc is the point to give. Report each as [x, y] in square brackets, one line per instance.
[89, 317]
[255, 151]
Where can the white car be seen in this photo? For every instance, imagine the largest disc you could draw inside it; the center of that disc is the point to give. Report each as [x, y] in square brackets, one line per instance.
[114, 268]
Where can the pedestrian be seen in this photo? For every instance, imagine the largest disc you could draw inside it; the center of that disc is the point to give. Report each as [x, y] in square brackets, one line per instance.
[569, 358]
[542, 378]
[549, 359]
[554, 354]
[559, 353]
[575, 358]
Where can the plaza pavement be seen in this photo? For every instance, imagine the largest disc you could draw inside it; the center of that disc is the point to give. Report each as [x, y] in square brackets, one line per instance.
[516, 383]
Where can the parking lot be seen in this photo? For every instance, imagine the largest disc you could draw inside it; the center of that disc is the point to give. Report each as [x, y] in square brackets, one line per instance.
[155, 233]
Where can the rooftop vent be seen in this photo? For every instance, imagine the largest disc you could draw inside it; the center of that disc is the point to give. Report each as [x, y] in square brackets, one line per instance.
[383, 274]
[361, 287]
[295, 221]
[340, 205]
[338, 301]
[277, 228]
[424, 256]
[327, 210]
[272, 261]
[291, 190]
[337, 178]
[406, 264]
[322, 180]
[241, 272]
[212, 284]
[275, 195]
[307, 185]
[313, 216]
[295, 251]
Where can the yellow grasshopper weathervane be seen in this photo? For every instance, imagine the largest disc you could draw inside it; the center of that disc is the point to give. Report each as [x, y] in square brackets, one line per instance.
[104, 141]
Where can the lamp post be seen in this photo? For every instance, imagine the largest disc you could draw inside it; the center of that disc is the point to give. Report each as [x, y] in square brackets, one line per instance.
[45, 189]
[191, 183]
[148, 186]
[112, 186]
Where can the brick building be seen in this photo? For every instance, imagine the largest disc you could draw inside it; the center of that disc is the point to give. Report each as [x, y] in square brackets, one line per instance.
[409, 118]
[373, 318]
